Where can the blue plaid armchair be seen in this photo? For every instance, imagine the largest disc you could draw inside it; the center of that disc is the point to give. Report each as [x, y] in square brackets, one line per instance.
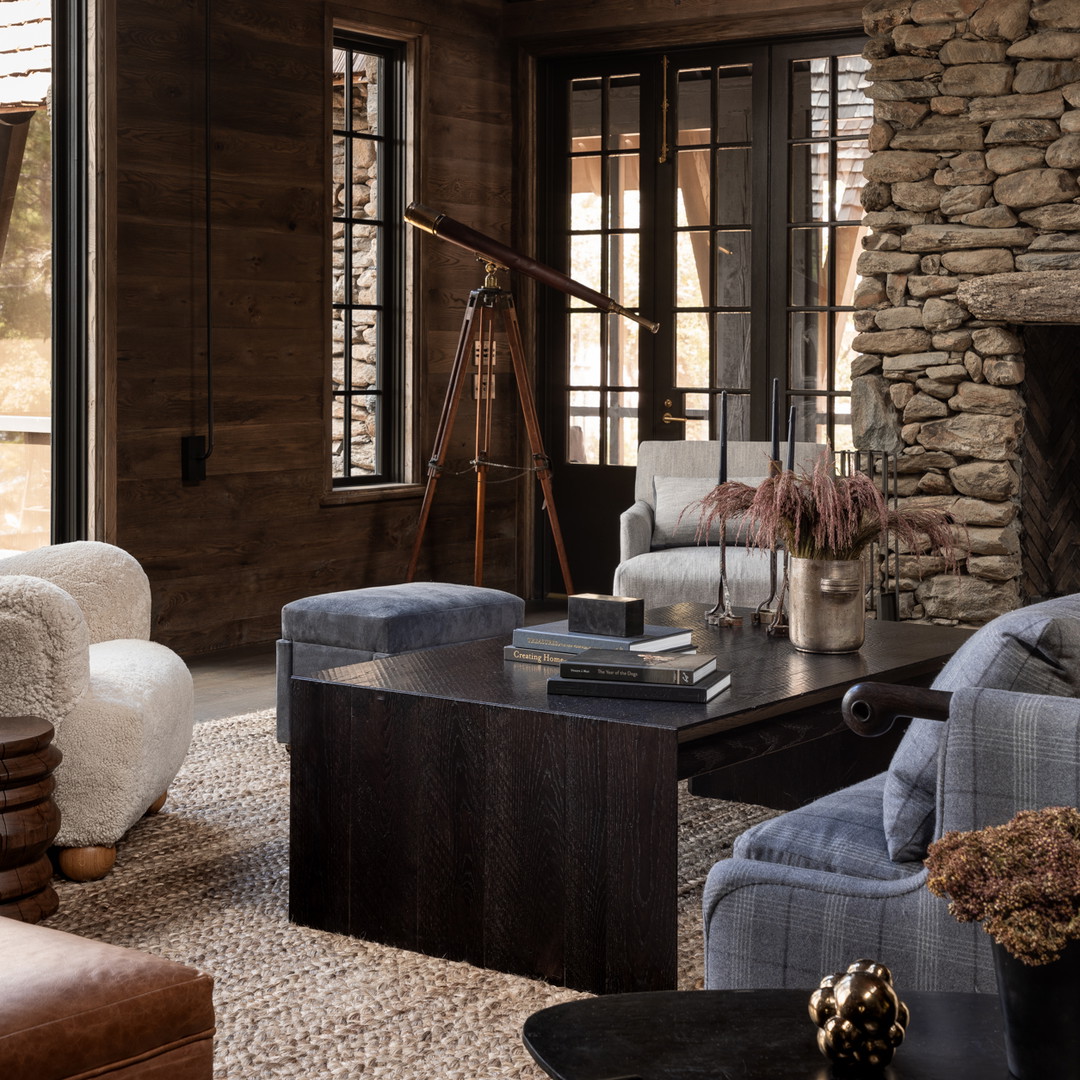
[806, 893]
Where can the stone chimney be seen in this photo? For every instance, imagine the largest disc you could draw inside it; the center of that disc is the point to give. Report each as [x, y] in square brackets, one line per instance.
[972, 204]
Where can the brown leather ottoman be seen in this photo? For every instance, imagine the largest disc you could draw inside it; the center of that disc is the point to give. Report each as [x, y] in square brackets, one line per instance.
[71, 1007]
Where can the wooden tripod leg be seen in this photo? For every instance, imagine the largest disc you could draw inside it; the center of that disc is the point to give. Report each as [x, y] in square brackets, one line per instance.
[446, 423]
[532, 427]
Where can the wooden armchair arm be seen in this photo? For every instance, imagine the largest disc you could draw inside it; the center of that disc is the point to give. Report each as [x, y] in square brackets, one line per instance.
[871, 708]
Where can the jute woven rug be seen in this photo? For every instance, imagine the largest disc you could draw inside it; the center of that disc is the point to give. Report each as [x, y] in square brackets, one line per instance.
[205, 882]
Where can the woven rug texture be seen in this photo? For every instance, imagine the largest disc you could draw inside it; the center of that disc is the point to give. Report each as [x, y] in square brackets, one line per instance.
[205, 882]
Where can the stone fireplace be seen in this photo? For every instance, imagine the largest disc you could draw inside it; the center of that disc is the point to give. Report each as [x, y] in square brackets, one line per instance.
[968, 305]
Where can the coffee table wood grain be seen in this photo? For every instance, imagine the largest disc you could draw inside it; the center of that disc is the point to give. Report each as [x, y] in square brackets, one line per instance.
[441, 801]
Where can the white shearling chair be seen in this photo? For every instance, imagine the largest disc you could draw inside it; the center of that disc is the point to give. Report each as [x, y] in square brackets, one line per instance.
[75, 650]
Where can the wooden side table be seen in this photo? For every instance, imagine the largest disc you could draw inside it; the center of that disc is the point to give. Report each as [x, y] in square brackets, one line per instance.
[752, 1035]
[29, 819]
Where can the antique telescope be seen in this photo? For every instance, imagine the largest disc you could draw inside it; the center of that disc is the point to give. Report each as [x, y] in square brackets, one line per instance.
[477, 339]
[446, 228]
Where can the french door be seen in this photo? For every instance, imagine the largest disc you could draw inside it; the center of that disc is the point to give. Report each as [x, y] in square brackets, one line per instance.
[716, 191]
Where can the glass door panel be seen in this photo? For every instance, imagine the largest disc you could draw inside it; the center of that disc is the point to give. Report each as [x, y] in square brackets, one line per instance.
[25, 307]
[712, 219]
[829, 117]
[605, 254]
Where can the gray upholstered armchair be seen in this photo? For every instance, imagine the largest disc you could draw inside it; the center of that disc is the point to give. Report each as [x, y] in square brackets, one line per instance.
[808, 892]
[660, 559]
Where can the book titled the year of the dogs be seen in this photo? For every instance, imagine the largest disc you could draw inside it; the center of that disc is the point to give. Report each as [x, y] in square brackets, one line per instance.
[621, 665]
[702, 691]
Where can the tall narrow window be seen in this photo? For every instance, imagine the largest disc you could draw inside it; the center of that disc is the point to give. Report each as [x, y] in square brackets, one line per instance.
[367, 323]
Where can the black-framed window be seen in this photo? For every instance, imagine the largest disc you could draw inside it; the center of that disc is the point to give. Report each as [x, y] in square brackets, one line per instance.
[367, 260]
[740, 167]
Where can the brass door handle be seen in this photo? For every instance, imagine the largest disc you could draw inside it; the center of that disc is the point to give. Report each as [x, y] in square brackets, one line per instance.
[667, 418]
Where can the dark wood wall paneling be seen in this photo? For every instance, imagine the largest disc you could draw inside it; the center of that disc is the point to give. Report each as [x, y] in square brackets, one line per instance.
[566, 26]
[225, 555]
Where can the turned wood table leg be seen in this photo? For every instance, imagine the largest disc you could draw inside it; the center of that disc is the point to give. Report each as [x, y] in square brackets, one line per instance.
[29, 819]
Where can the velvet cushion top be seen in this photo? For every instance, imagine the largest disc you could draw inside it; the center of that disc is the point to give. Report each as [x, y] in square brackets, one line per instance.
[1032, 650]
[392, 619]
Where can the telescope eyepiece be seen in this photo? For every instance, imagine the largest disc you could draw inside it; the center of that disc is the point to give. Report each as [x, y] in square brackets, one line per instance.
[423, 217]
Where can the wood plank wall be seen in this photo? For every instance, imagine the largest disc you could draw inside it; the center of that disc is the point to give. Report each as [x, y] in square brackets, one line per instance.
[223, 556]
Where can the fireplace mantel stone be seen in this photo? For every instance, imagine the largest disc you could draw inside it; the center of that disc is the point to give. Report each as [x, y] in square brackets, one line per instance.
[1040, 296]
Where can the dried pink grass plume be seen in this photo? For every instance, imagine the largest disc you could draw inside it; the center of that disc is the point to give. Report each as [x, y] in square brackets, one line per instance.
[819, 515]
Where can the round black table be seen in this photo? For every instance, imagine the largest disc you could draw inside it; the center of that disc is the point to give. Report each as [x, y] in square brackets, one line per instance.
[752, 1035]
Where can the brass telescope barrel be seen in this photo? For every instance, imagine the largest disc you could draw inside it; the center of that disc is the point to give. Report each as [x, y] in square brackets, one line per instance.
[423, 217]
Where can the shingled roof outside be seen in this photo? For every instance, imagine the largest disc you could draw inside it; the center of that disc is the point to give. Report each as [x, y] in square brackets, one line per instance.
[25, 50]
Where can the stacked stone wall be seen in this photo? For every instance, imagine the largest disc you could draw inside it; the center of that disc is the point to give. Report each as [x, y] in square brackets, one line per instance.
[972, 202]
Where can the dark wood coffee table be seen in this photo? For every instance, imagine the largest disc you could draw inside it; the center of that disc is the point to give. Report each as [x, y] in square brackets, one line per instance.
[443, 802]
[752, 1035]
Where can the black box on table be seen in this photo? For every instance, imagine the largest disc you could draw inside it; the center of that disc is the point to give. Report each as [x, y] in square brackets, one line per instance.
[613, 616]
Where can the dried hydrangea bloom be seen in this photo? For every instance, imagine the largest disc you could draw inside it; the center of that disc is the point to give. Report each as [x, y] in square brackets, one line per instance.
[1021, 880]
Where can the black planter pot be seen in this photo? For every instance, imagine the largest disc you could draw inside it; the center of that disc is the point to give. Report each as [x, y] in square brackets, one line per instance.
[1040, 1007]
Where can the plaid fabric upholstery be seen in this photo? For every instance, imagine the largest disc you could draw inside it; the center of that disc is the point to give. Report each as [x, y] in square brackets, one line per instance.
[1006, 752]
[1032, 650]
[773, 925]
[840, 834]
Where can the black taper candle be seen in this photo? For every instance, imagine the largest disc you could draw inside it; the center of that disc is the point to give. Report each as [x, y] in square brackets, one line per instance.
[774, 429]
[791, 439]
[723, 436]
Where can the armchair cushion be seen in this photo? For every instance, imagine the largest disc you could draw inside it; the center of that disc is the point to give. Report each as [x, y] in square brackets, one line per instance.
[676, 517]
[839, 834]
[1032, 650]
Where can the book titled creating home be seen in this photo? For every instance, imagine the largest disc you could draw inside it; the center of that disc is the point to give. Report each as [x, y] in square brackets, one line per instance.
[557, 635]
[537, 656]
[622, 665]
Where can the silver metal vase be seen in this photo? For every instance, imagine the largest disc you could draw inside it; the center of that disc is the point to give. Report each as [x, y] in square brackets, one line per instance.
[826, 604]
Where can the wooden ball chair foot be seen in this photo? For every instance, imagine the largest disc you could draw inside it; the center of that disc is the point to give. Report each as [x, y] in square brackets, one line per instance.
[85, 863]
[157, 804]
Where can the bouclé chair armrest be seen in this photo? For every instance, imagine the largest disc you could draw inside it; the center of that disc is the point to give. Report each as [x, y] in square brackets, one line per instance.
[108, 584]
[1003, 752]
[44, 649]
[635, 530]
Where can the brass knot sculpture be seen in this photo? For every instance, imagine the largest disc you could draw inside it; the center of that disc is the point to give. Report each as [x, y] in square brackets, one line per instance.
[860, 1019]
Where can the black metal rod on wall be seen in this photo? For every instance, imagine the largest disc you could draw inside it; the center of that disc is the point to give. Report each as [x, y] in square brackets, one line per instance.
[195, 449]
[70, 244]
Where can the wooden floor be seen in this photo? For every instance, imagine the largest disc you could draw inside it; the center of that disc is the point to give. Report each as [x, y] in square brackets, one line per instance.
[234, 681]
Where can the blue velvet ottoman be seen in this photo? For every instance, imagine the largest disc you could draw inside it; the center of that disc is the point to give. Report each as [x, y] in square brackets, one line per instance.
[340, 628]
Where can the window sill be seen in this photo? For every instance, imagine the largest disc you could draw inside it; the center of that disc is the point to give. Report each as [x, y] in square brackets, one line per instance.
[370, 493]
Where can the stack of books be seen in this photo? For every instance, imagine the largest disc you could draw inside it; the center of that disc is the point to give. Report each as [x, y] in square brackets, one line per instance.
[659, 664]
